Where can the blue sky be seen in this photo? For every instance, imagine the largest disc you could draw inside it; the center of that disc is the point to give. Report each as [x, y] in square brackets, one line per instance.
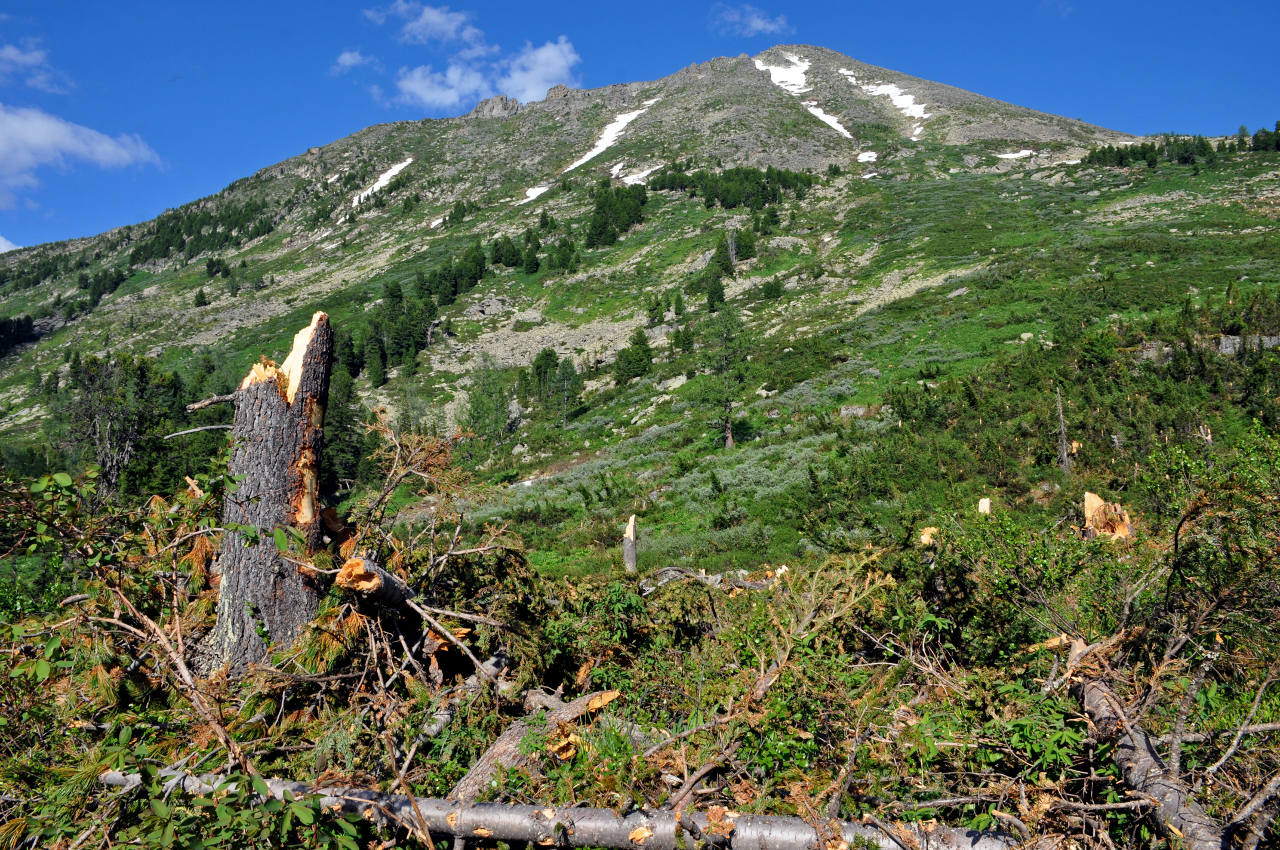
[112, 112]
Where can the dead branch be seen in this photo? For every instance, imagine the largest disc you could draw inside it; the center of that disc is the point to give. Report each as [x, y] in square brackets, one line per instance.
[568, 826]
[211, 400]
[504, 753]
[196, 430]
[1144, 772]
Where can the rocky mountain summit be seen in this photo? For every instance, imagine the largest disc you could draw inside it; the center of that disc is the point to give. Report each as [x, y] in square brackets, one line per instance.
[338, 216]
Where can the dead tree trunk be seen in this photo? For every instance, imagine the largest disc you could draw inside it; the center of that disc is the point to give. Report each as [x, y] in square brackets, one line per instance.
[629, 546]
[1064, 454]
[1145, 772]
[572, 826]
[263, 598]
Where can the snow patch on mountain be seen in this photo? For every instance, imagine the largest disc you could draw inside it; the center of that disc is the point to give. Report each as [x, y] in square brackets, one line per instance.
[640, 176]
[530, 194]
[382, 182]
[868, 156]
[610, 136]
[903, 102]
[1022, 154]
[830, 120]
[790, 78]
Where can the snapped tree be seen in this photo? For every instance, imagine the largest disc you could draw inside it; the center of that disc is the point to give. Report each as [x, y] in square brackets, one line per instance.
[264, 597]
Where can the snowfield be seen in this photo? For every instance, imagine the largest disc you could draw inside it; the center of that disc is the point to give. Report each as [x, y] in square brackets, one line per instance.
[830, 120]
[610, 135]
[530, 194]
[868, 156]
[382, 182]
[1022, 154]
[640, 176]
[903, 102]
[790, 78]
[793, 80]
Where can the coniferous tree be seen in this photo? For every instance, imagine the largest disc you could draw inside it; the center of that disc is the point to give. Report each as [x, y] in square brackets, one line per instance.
[375, 361]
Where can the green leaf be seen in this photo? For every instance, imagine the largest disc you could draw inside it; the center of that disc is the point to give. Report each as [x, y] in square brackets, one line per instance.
[42, 670]
[62, 479]
[261, 787]
[282, 539]
[161, 809]
[40, 484]
[303, 813]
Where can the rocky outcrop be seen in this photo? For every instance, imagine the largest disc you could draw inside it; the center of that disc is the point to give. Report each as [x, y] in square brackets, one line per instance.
[498, 106]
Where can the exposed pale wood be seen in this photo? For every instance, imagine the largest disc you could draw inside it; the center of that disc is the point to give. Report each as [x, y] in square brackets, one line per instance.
[277, 439]
[629, 546]
[504, 753]
[568, 826]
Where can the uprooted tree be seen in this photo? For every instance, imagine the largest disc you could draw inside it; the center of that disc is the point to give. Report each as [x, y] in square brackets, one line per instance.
[265, 597]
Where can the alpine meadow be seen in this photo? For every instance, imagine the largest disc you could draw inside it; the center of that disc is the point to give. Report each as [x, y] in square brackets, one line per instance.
[786, 453]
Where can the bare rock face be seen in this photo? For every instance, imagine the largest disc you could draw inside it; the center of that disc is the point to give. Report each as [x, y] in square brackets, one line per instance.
[498, 106]
[559, 92]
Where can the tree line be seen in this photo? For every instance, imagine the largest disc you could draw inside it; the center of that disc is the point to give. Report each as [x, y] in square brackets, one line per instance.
[1184, 150]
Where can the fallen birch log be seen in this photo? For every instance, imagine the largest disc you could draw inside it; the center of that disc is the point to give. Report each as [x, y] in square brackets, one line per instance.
[1144, 771]
[567, 826]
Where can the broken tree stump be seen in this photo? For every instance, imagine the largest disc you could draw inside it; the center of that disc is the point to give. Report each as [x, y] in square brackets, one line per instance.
[629, 546]
[277, 434]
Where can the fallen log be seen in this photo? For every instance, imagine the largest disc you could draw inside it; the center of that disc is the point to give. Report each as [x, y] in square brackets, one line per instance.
[1144, 771]
[505, 753]
[568, 826]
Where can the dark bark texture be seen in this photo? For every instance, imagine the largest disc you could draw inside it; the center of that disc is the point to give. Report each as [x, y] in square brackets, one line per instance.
[263, 598]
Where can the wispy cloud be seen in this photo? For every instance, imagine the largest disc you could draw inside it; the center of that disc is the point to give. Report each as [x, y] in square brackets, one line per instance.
[349, 60]
[31, 139]
[29, 64]
[423, 24]
[1061, 8]
[746, 21]
[6, 245]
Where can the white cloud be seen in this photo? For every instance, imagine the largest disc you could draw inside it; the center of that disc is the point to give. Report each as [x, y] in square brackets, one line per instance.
[424, 24]
[532, 71]
[6, 245]
[31, 65]
[31, 139]
[746, 21]
[475, 68]
[436, 90]
[349, 60]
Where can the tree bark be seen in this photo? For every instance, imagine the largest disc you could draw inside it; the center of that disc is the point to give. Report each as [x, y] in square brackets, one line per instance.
[569, 826]
[277, 436]
[1144, 771]
[629, 546]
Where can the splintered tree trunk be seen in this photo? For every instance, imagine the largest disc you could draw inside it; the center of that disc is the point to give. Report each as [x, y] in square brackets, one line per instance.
[263, 598]
[629, 546]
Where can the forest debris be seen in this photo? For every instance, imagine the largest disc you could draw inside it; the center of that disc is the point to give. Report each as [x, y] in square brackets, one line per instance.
[505, 753]
[927, 535]
[984, 505]
[1101, 517]
[1143, 770]
[594, 827]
